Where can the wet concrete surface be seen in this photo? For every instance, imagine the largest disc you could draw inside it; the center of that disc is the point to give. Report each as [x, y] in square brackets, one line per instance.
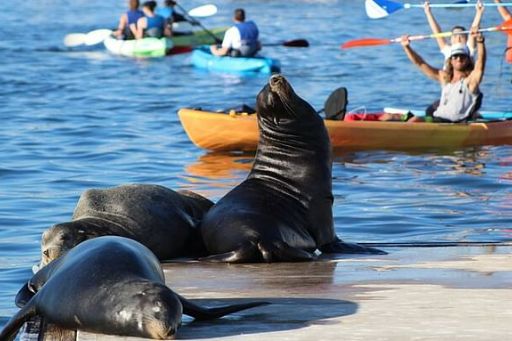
[450, 293]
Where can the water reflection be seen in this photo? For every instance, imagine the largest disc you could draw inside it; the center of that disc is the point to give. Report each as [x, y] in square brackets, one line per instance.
[216, 166]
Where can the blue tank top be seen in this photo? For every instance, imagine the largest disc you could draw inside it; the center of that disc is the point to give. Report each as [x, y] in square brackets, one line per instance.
[248, 33]
[155, 26]
[133, 16]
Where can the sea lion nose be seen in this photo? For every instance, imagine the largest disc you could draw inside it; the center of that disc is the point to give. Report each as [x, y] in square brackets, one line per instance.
[275, 80]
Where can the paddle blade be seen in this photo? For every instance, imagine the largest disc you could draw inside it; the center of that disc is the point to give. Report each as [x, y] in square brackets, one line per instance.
[203, 11]
[97, 36]
[74, 39]
[365, 42]
[505, 27]
[376, 9]
[296, 43]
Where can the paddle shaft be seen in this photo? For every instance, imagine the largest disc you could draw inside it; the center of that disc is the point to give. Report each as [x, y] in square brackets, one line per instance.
[408, 5]
[195, 21]
[504, 27]
[449, 34]
[376, 9]
[290, 43]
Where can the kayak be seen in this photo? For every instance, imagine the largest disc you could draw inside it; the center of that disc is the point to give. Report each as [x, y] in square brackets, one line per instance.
[239, 132]
[488, 115]
[159, 47]
[202, 58]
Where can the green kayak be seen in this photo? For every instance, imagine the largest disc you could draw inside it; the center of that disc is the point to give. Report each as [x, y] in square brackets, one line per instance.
[159, 47]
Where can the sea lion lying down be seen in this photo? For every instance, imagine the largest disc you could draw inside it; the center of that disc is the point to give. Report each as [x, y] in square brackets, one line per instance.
[108, 285]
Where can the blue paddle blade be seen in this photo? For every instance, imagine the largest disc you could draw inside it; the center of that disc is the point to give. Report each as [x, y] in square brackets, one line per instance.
[376, 9]
[389, 6]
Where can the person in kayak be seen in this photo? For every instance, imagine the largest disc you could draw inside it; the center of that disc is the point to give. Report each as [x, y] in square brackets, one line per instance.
[241, 40]
[459, 80]
[506, 15]
[128, 21]
[456, 37]
[151, 24]
[170, 14]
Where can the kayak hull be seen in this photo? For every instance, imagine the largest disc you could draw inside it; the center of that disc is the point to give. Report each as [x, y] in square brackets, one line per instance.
[202, 58]
[159, 47]
[239, 132]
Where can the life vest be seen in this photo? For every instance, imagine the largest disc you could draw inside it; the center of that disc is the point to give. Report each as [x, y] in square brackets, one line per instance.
[248, 33]
[155, 26]
[133, 16]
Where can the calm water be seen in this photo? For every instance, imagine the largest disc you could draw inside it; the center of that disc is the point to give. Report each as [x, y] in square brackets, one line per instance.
[77, 119]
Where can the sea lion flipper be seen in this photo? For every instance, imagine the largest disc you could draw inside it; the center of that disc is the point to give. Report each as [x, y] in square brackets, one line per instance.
[16, 322]
[246, 252]
[23, 296]
[279, 251]
[200, 313]
[339, 246]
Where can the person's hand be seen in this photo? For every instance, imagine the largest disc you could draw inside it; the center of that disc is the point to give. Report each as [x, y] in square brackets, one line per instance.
[479, 7]
[474, 32]
[426, 7]
[405, 41]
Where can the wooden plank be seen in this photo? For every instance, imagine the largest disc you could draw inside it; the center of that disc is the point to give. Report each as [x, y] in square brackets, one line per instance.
[36, 329]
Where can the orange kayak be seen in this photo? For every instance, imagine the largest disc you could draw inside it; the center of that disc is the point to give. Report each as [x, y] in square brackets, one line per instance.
[239, 132]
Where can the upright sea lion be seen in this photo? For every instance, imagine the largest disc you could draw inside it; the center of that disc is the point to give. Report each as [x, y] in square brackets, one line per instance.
[283, 210]
[108, 285]
[162, 219]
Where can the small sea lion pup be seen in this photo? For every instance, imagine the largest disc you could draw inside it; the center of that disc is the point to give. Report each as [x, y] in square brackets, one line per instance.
[283, 210]
[163, 220]
[108, 285]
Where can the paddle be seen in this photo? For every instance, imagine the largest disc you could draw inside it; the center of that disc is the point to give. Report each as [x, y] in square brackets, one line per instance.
[98, 36]
[193, 21]
[335, 105]
[376, 9]
[290, 43]
[505, 27]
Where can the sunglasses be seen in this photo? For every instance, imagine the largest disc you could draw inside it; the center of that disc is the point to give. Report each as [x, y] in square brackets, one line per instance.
[459, 56]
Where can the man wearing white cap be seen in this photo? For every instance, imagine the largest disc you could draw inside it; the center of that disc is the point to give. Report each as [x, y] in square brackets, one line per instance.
[459, 80]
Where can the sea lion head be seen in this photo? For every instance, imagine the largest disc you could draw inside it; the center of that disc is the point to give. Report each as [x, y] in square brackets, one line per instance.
[277, 100]
[59, 239]
[149, 310]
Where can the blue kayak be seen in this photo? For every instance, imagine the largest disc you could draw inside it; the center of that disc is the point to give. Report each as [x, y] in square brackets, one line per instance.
[202, 58]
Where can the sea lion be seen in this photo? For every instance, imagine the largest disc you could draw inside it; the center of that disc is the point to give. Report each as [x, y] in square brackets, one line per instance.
[109, 285]
[162, 219]
[283, 210]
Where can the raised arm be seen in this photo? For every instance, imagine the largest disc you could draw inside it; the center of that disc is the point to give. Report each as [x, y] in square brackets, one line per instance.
[434, 26]
[505, 14]
[476, 76]
[475, 25]
[416, 59]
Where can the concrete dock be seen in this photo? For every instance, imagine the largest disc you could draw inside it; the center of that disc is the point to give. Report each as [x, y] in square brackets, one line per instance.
[413, 293]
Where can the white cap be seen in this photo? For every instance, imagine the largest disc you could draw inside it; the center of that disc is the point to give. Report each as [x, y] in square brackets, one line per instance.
[459, 48]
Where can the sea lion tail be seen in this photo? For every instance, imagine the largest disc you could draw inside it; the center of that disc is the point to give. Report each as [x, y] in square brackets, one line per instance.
[201, 313]
[16, 322]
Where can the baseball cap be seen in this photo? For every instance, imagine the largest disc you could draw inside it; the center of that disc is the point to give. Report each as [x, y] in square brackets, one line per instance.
[459, 48]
